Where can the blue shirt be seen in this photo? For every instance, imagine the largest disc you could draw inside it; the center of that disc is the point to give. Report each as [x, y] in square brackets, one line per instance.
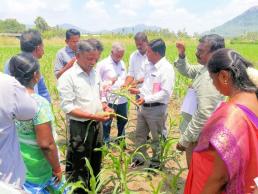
[63, 56]
[40, 88]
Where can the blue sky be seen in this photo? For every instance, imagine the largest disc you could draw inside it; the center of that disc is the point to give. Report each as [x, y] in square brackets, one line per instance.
[92, 15]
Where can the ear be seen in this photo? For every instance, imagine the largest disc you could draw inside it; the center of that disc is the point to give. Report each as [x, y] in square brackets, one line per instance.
[224, 77]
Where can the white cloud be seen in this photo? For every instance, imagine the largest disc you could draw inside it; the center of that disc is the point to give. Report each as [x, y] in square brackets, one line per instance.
[100, 14]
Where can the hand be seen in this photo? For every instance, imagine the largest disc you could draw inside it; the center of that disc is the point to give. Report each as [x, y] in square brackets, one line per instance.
[180, 147]
[102, 117]
[58, 174]
[181, 48]
[70, 63]
[140, 101]
[140, 81]
[134, 90]
[113, 80]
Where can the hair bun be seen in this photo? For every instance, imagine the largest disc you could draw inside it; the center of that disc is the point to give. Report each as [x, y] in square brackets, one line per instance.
[253, 75]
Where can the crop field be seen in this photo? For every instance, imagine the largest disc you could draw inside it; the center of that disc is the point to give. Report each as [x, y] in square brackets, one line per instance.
[117, 176]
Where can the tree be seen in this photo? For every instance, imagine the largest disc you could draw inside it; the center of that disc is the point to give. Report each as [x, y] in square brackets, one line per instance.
[11, 26]
[41, 24]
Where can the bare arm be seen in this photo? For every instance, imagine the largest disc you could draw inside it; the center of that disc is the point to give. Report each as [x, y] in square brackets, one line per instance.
[47, 144]
[66, 67]
[219, 177]
[78, 113]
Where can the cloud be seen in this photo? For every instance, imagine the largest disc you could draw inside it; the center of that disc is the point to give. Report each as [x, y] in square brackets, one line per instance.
[99, 14]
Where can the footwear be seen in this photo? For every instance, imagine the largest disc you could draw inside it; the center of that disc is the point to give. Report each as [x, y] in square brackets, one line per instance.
[136, 163]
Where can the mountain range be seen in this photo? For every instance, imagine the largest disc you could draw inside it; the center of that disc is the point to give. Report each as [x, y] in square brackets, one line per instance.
[245, 22]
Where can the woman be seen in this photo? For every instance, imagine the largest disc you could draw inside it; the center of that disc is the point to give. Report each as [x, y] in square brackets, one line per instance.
[226, 157]
[38, 147]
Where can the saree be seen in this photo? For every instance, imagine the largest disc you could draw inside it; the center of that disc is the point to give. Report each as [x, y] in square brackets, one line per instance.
[232, 131]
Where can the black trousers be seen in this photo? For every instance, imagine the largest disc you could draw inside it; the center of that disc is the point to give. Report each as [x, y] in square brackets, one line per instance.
[84, 138]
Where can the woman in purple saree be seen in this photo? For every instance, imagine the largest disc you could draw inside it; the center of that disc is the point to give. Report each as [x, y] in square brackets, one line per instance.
[226, 157]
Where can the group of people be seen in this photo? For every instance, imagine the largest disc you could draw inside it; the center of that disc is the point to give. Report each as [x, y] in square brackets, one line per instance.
[219, 138]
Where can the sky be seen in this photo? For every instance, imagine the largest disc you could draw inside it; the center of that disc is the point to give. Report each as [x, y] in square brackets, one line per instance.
[94, 15]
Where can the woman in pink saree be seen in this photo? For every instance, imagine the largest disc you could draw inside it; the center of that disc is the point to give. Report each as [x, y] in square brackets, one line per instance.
[226, 157]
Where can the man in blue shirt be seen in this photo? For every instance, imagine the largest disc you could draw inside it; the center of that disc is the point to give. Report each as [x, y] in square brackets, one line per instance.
[65, 57]
[31, 42]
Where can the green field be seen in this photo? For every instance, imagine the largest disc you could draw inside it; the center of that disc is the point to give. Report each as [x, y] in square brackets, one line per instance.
[10, 47]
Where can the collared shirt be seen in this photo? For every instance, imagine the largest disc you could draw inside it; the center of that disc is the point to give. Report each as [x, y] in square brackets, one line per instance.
[78, 89]
[158, 83]
[137, 65]
[107, 70]
[208, 99]
[40, 88]
[63, 56]
[15, 103]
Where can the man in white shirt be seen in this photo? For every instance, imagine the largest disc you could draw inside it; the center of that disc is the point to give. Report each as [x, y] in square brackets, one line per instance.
[113, 73]
[15, 103]
[79, 89]
[154, 97]
[138, 60]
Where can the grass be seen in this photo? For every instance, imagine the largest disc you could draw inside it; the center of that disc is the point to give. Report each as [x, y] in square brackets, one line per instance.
[117, 161]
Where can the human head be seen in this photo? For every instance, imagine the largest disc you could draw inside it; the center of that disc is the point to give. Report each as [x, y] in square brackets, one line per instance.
[86, 55]
[72, 37]
[229, 72]
[97, 44]
[207, 45]
[156, 50]
[117, 52]
[25, 68]
[141, 42]
[31, 42]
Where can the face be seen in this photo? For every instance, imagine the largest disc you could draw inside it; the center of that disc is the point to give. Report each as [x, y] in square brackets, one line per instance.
[39, 51]
[117, 56]
[72, 42]
[152, 56]
[203, 53]
[87, 60]
[141, 46]
[221, 81]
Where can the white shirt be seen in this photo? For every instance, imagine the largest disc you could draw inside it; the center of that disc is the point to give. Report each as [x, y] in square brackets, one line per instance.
[137, 65]
[158, 83]
[107, 69]
[15, 103]
[77, 89]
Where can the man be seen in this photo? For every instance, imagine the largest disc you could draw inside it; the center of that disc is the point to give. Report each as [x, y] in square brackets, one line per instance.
[154, 98]
[98, 45]
[207, 95]
[113, 72]
[65, 57]
[138, 60]
[31, 42]
[15, 103]
[79, 89]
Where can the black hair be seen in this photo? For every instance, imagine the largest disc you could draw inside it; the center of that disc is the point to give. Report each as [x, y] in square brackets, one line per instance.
[22, 67]
[215, 41]
[85, 46]
[72, 32]
[158, 46]
[96, 43]
[29, 40]
[231, 61]
[141, 36]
